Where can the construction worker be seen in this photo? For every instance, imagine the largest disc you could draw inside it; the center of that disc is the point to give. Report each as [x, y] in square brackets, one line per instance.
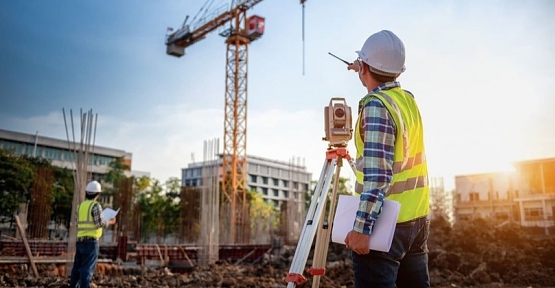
[390, 164]
[89, 229]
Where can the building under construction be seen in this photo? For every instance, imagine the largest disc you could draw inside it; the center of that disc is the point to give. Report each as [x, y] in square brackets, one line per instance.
[282, 184]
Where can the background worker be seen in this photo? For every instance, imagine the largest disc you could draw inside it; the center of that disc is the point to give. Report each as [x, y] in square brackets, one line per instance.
[391, 164]
[89, 230]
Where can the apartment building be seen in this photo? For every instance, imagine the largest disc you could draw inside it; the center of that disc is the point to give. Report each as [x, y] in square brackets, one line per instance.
[525, 195]
[276, 181]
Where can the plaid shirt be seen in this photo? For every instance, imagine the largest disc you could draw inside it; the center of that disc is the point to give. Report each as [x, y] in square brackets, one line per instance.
[97, 216]
[379, 141]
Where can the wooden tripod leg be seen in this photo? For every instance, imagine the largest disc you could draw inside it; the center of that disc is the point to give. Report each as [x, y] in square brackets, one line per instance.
[324, 233]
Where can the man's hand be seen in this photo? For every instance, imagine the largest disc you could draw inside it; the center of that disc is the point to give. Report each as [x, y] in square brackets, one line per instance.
[354, 66]
[358, 242]
[112, 221]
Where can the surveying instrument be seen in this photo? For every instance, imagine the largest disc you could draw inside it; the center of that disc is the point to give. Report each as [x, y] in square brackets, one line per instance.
[338, 129]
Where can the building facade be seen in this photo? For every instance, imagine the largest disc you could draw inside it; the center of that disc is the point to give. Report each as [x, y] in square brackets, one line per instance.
[62, 154]
[525, 195]
[276, 181]
[58, 151]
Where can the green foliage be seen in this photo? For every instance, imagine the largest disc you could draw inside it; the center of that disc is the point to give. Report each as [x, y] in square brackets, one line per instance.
[63, 195]
[140, 185]
[342, 189]
[116, 173]
[159, 208]
[261, 210]
[16, 177]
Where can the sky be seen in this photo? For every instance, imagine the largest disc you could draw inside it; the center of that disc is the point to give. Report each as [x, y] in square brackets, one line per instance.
[482, 73]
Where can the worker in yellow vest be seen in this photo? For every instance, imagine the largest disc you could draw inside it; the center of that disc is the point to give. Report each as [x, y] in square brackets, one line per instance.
[391, 164]
[89, 229]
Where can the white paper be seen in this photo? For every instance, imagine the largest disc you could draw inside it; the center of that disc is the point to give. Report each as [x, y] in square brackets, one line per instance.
[109, 213]
[384, 228]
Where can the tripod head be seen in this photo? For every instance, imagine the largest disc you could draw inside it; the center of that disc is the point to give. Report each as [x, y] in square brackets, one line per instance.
[338, 123]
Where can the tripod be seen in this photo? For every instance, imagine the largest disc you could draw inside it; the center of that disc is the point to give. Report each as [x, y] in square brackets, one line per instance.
[315, 223]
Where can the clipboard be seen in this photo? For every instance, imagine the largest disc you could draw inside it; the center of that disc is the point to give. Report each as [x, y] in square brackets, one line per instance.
[384, 228]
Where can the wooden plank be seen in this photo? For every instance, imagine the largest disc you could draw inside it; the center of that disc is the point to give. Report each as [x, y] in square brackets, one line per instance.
[39, 260]
[186, 256]
[27, 248]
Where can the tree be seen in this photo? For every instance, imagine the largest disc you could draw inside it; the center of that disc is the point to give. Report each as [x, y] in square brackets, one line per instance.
[140, 185]
[160, 208]
[16, 178]
[171, 207]
[117, 172]
[63, 195]
[264, 216]
[342, 189]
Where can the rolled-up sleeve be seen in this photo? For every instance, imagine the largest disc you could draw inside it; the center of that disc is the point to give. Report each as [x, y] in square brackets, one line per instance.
[97, 216]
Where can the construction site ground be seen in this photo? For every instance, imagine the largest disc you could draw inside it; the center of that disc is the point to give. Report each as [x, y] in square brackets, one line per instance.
[476, 254]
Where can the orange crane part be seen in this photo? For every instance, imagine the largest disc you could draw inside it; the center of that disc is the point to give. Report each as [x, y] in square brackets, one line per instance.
[243, 31]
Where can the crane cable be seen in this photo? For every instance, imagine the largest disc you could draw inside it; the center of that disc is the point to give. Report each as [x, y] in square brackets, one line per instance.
[302, 2]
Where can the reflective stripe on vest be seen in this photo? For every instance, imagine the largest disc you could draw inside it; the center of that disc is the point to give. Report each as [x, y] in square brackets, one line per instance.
[85, 220]
[409, 185]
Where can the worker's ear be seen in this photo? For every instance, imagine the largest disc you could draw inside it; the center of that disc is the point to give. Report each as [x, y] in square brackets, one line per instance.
[362, 68]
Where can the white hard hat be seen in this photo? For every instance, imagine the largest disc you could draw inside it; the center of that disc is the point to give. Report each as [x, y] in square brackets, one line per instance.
[93, 187]
[384, 52]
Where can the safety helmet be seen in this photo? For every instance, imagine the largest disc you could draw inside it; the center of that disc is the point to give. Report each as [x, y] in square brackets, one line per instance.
[384, 52]
[93, 187]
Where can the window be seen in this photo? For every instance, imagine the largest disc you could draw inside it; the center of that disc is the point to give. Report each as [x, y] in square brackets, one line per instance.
[52, 153]
[265, 180]
[275, 192]
[252, 168]
[265, 191]
[285, 194]
[285, 183]
[474, 196]
[275, 181]
[253, 178]
[12, 146]
[533, 214]
[197, 172]
[265, 170]
[29, 149]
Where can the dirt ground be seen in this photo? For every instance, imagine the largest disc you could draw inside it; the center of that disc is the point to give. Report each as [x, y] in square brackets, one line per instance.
[476, 254]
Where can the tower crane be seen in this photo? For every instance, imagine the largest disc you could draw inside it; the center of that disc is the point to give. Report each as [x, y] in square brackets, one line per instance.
[239, 35]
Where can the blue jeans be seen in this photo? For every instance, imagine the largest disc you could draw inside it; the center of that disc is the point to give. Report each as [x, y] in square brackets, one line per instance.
[406, 263]
[84, 263]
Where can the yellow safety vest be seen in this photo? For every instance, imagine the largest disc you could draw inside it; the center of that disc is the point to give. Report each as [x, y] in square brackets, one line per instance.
[409, 185]
[85, 221]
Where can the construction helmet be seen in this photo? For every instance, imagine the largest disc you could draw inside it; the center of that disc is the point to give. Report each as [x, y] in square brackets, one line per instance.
[384, 52]
[93, 187]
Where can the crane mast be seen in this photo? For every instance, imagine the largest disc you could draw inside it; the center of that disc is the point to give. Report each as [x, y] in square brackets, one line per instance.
[242, 32]
[235, 131]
